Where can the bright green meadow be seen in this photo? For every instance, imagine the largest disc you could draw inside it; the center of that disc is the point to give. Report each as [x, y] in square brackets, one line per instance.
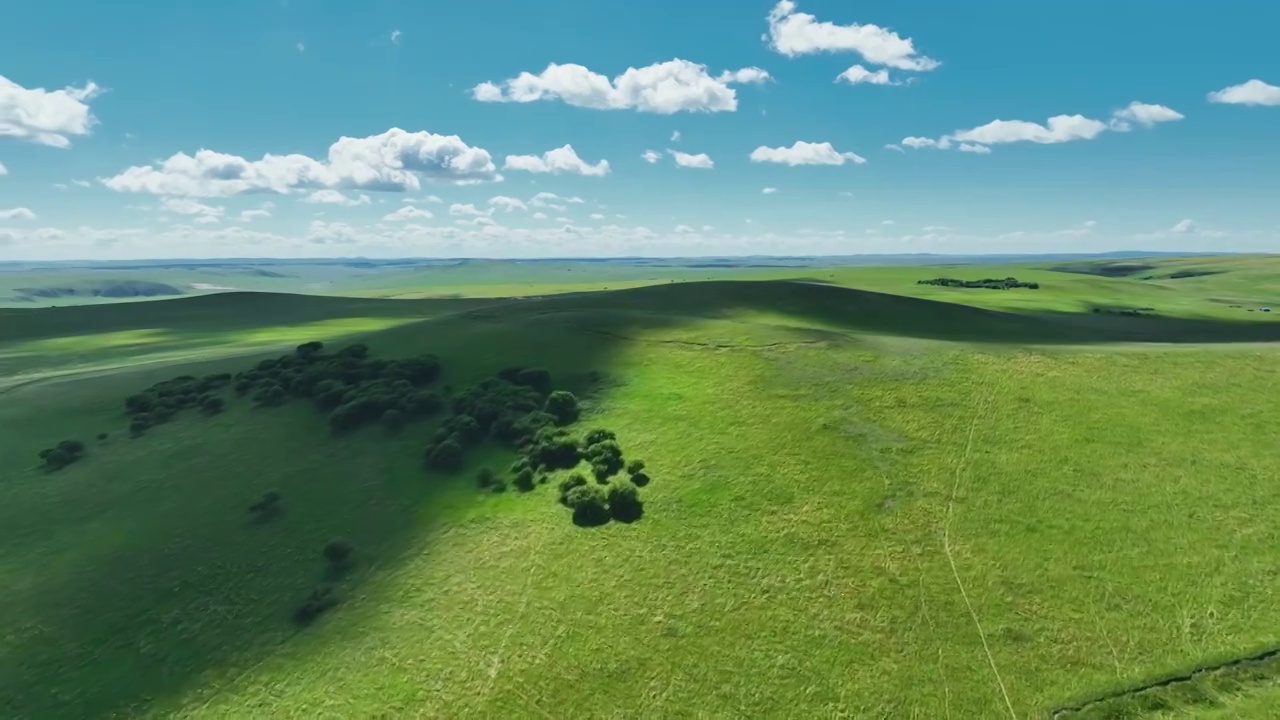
[870, 498]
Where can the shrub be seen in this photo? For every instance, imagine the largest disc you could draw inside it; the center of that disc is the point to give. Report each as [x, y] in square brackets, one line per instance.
[567, 486]
[392, 420]
[554, 451]
[446, 455]
[640, 479]
[421, 404]
[140, 403]
[268, 506]
[331, 397]
[535, 378]
[358, 351]
[624, 501]
[309, 349]
[269, 395]
[138, 427]
[605, 458]
[510, 374]
[73, 448]
[243, 387]
[485, 478]
[337, 552]
[213, 405]
[320, 600]
[563, 406]
[466, 428]
[102, 436]
[524, 480]
[57, 459]
[589, 504]
[416, 370]
[597, 436]
[635, 467]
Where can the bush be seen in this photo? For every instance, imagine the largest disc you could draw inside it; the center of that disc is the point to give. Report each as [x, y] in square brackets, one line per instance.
[140, 403]
[624, 501]
[446, 455]
[243, 387]
[331, 397]
[605, 458]
[316, 604]
[269, 395]
[524, 480]
[562, 405]
[535, 378]
[56, 459]
[138, 427]
[392, 420]
[337, 552]
[510, 374]
[102, 436]
[589, 504]
[358, 351]
[485, 478]
[466, 428]
[635, 467]
[416, 370]
[309, 349]
[267, 507]
[73, 448]
[598, 436]
[567, 486]
[640, 479]
[421, 404]
[554, 451]
[213, 405]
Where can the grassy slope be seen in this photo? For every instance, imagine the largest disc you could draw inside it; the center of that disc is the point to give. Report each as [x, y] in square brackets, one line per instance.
[1106, 516]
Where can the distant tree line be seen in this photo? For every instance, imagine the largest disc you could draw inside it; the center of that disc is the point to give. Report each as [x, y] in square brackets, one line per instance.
[1008, 283]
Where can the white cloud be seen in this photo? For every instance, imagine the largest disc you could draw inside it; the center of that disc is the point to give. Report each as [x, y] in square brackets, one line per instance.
[561, 160]
[392, 161]
[3, 170]
[972, 148]
[805, 153]
[886, 222]
[675, 136]
[701, 160]
[433, 199]
[597, 216]
[893, 147]
[468, 209]
[300, 47]
[539, 215]
[81, 183]
[1251, 92]
[924, 142]
[1184, 227]
[19, 213]
[1144, 114]
[683, 229]
[769, 191]
[794, 33]
[1081, 230]
[407, 213]
[395, 37]
[263, 212]
[43, 116]
[858, 75]
[544, 199]
[508, 203]
[186, 206]
[333, 197]
[651, 156]
[665, 88]
[1059, 129]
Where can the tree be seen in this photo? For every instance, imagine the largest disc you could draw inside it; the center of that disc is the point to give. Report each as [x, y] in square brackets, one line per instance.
[589, 504]
[446, 455]
[57, 459]
[485, 478]
[136, 404]
[359, 351]
[635, 467]
[624, 501]
[536, 378]
[73, 448]
[576, 480]
[337, 552]
[524, 480]
[393, 420]
[213, 405]
[309, 349]
[563, 405]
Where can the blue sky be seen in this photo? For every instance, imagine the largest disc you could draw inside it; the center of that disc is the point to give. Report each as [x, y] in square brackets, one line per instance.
[815, 127]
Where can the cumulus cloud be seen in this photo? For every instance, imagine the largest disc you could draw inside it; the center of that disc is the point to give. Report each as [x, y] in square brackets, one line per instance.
[508, 203]
[1058, 129]
[393, 161]
[675, 136]
[793, 33]
[683, 229]
[1184, 227]
[19, 213]
[597, 216]
[561, 160]
[47, 117]
[333, 197]
[468, 209]
[805, 153]
[1251, 92]
[665, 88]
[858, 75]
[539, 215]
[701, 160]
[1144, 114]
[407, 213]
[262, 212]
[651, 156]
[894, 147]
[769, 191]
[199, 211]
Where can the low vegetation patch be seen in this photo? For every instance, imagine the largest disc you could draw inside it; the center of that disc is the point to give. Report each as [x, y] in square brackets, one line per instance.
[1008, 283]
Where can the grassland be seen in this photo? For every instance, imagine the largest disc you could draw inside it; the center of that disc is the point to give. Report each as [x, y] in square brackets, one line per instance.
[890, 501]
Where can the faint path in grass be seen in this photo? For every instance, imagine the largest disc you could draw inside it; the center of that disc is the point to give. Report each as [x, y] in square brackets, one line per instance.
[961, 473]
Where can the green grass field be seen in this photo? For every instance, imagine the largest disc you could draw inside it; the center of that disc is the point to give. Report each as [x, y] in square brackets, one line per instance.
[870, 498]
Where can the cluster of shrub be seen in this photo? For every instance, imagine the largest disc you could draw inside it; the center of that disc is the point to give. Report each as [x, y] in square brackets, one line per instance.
[159, 403]
[62, 454]
[1126, 312]
[986, 283]
[618, 499]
